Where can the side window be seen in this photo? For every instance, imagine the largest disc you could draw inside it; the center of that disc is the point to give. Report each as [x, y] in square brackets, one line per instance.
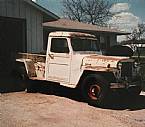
[59, 45]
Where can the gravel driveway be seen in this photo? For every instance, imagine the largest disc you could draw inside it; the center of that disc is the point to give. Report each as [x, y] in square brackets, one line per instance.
[21, 109]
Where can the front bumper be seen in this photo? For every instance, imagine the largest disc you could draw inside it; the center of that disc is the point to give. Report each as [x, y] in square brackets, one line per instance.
[125, 85]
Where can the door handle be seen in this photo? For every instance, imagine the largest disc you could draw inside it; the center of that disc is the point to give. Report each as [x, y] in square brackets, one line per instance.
[51, 56]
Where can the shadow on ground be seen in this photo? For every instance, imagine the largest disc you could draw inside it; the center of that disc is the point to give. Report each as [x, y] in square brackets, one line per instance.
[123, 103]
[51, 88]
[115, 102]
[10, 84]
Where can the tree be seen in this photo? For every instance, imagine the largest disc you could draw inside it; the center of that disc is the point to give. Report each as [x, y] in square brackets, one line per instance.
[137, 37]
[137, 34]
[94, 12]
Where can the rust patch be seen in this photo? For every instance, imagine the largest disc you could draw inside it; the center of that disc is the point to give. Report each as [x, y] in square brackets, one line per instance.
[106, 58]
[99, 68]
[36, 67]
[31, 69]
[34, 57]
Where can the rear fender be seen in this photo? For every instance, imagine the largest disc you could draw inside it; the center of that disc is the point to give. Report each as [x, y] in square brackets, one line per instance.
[26, 67]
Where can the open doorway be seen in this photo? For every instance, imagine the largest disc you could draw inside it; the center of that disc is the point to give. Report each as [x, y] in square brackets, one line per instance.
[12, 40]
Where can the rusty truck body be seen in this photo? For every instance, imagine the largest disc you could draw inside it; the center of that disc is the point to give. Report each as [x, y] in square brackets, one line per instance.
[75, 60]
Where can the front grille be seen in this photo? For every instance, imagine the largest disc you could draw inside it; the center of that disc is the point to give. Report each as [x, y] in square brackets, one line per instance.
[126, 69]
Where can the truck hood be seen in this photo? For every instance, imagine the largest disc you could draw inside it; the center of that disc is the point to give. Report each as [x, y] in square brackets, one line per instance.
[119, 50]
[101, 61]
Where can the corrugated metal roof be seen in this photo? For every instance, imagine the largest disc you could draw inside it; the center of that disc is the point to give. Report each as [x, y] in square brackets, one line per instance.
[67, 24]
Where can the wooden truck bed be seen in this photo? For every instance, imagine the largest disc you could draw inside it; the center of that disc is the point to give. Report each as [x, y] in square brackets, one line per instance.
[35, 64]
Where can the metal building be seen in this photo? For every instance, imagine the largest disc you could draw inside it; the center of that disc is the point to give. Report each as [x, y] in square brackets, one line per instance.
[21, 30]
[21, 24]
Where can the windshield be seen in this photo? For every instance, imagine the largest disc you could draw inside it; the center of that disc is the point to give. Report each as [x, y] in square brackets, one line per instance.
[85, 44]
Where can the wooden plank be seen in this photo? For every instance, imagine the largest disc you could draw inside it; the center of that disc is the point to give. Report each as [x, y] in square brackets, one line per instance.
[33, 57]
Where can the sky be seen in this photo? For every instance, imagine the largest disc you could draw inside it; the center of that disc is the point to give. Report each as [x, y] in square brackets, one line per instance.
[126, 13]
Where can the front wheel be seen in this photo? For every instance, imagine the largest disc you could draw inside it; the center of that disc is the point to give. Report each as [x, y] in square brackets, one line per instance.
[95, 89]
[134, 92]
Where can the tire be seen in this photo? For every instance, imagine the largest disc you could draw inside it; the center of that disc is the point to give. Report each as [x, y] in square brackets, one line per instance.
[31, 87]
[20, 80]
[95, 90]
[134, 92]
[131, 93]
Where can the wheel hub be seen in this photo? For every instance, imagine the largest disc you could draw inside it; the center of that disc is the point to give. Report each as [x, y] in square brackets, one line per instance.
[94, 92]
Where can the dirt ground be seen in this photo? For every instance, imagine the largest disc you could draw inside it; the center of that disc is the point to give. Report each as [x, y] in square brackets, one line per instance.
[65, 109]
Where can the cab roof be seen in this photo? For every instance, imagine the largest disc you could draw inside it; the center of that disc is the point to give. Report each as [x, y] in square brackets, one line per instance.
[70, 34]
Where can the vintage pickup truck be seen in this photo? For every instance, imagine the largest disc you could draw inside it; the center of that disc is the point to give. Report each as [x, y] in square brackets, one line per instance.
[75, 60]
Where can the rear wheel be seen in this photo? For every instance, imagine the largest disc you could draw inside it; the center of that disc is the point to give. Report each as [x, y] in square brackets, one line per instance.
[32, 87]
[20, 80]
[95, 89]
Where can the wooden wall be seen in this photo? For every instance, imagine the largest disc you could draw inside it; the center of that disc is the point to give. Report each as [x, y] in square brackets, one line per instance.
[34, 20]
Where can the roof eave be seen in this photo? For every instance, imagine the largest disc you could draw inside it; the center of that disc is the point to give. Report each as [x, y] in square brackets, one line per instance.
[45, 11]
[85, 30]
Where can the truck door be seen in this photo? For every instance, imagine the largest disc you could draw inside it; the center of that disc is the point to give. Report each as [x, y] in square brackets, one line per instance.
[59, 60]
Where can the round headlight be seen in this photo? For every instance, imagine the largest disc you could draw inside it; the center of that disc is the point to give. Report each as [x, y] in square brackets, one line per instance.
[135, 64]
